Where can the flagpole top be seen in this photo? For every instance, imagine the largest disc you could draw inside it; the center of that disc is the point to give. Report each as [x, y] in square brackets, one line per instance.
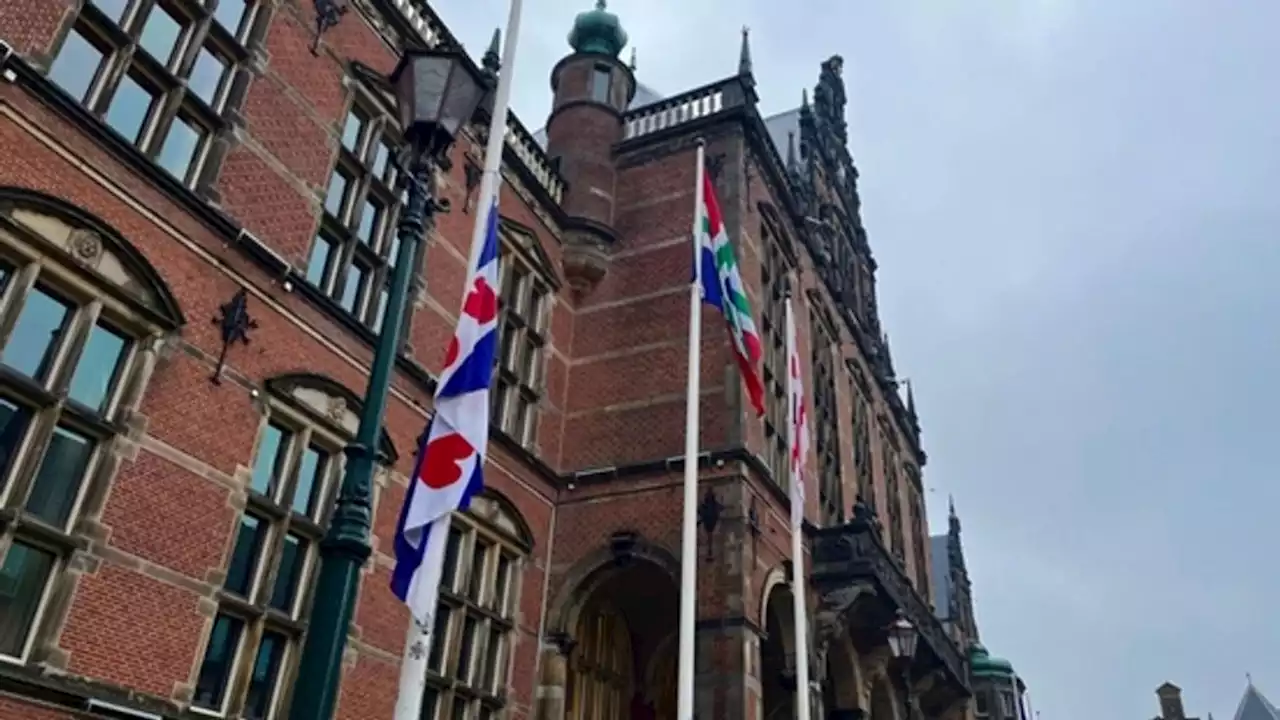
[700, 142]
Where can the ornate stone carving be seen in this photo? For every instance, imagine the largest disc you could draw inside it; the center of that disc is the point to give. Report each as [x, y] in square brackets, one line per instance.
[829, 98]
[585, 261]
[85, 246]
[335, 409]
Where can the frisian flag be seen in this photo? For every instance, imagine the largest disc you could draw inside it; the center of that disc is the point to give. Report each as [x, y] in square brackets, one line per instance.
[722, 288]
[450, 466]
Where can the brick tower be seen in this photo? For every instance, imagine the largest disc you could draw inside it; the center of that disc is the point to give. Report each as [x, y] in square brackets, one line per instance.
[592, 89]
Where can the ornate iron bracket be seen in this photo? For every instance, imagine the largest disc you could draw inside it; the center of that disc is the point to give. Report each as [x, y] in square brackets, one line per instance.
[709, 512]
[234, 324]
[328, 14]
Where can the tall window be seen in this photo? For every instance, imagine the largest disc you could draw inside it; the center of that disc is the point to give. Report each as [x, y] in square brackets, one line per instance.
[357, 246]
[862, 446]
[158, 72]
[257, 632]
[981, 706]
[601, 666]
[773, 337]
[826, 424]
[919, 537]
[600, 80]
[894, 501]
[470, 652]
[70, 367]
[525, 312]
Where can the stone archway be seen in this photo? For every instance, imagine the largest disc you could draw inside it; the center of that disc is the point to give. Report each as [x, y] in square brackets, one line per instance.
[777, 655]
[615, 623]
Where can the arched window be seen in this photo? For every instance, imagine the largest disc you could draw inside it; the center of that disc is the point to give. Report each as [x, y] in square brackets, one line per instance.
[81, 316]
[265, 598]
[601, 665]
[467, 667]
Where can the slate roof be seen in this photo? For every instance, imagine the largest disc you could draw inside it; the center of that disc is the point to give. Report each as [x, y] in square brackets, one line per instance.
[1254, 706]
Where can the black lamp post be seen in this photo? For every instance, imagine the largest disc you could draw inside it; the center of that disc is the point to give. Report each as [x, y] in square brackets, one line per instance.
[438, 92]
[903, 637]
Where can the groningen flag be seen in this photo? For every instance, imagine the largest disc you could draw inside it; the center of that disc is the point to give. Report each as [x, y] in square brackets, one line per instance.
[722, 288]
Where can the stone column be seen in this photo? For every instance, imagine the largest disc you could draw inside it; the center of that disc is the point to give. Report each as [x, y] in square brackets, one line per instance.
[551, 697]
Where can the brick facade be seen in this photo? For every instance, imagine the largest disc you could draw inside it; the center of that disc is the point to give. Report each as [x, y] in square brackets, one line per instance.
[144, 573]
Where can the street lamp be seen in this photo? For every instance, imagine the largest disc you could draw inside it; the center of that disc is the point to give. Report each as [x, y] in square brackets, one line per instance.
[438, 93]
[903, 637]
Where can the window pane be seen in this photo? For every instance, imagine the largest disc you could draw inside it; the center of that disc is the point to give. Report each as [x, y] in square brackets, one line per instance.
[318, 264]
[430, 699]
[58, 483]
[337, 195]
[230, 14]
[272, 453]
[460, 708]
[22, 581]
[369, 219]
[501, 583]
[393, 249]
[600, 85]
[467, 649]
[98, 367]
[351, 131]
[449, 577]
[178, 153]
[215, 670]
[244, 557]
[13, 428]
[439, 638]
[75, 66]
[382, 163]
[494, 665]
[476, 580]
[129, 108]
[266, 671]
[311, 472]
[290, 570]
[351, 288]
[34, 342]
[206, 76]
[113, 9]
[383, 297]
[160, 34]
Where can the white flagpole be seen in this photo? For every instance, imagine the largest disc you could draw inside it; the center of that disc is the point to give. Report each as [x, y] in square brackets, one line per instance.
[689, 526]
[417, 646]
[799, 589]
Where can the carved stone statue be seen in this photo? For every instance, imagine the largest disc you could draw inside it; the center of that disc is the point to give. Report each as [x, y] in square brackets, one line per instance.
[829, 98]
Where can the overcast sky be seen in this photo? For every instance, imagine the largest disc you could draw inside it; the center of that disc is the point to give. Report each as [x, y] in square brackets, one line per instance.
[1074, 207]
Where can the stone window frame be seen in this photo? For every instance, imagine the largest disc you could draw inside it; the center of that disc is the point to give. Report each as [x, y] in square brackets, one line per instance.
[471, 618]
[62, 252]
[826, 420]
[774, 283]
[981, 704]
[315, 418]
[119, 32]
[525, 298]
[369, 147]
[861, 418]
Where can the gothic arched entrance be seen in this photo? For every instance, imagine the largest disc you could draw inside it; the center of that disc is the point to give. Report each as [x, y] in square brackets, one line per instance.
[623, 662]
[777, 655]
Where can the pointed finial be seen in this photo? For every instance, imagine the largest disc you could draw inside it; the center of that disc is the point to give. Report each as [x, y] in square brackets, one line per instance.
[911, 401]
[492, 61]
[633, 58]
[1249, 679]
[744, 55]
[951, 505]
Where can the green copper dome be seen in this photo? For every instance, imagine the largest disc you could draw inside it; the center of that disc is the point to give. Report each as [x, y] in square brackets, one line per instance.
[598, 31]
[982, 664]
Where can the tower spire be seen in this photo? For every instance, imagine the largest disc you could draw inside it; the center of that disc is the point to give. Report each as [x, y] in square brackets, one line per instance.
[492, 60]
[744, 55]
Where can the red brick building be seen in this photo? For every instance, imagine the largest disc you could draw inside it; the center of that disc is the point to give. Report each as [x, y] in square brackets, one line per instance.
[166, 162]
